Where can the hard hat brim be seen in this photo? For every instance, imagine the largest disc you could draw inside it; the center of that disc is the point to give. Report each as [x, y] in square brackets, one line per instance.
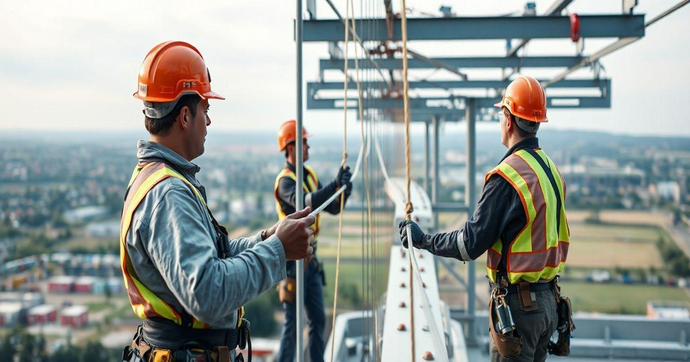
[207, 95]
[212, 95]
[306, 135]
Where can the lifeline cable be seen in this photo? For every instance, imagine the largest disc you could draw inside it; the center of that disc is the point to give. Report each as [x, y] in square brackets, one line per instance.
[342, 194]
[408, 207]
[365, 140]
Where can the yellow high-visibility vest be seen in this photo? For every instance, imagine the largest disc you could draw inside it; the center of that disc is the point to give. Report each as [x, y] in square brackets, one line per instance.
[144, 302]
[540, 249]
[312, 185]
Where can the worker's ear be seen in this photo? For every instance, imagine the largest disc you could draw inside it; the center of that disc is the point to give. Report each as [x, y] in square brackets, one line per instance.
[184, 117]
[510, 124]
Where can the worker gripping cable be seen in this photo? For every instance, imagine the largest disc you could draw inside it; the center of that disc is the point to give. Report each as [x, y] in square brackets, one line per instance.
[520, 219]
[315, 194]
[184, 277]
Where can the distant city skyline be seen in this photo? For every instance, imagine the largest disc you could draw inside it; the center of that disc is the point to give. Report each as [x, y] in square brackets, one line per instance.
[73, 65]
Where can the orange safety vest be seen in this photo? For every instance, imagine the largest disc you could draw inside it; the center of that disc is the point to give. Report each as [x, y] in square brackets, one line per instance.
[312, 185]
[540, 249]
[144, 302]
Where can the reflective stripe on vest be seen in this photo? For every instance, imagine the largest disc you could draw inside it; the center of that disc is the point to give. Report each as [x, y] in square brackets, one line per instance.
[144, 302]
[536, 252]
[312, 185]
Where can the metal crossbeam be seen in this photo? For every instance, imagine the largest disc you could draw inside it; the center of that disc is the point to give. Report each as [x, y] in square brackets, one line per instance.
[555, 9]
[445, 84]
[482, 28]
[445, 105]
[464, 62]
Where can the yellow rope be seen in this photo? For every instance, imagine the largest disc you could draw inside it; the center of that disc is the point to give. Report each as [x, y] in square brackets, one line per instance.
[408, 207]
[342, 195]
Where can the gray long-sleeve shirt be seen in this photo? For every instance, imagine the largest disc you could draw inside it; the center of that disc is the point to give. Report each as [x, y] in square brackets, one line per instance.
[172, 247]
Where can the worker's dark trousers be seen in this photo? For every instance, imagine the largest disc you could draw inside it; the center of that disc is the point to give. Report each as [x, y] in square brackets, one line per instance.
[535, 327]
[313, 303]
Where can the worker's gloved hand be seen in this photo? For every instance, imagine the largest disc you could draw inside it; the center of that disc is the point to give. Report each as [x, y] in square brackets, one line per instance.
[348, 190]
[344, 176]
[296, 236]
[418, 236]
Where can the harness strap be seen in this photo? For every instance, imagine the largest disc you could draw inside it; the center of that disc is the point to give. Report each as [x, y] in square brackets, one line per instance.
[549, 174]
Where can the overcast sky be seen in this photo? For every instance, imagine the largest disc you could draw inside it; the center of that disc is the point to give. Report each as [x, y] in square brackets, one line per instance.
[72, 65]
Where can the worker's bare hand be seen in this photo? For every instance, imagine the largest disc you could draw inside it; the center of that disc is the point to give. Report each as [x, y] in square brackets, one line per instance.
[295, 234]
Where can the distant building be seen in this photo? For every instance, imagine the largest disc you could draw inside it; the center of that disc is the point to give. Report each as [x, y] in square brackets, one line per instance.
[76, 316]
[26, 300]
[114, 285]
[668, 190]
[86, 213]
[41, 314]
[104, 229]
[89, 285]
[668, 310]
[10, 314]
[61, 284]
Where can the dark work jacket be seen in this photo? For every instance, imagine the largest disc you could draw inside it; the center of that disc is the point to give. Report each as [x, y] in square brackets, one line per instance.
[287, 193]
[499, 214]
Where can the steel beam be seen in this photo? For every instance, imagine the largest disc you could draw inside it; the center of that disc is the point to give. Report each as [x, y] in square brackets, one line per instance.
[484, 28]
[470, 202]
[591, 59]
[555, 9]
[464, 62]
[436, 159]
[299, 323]
[422, 106]
[442, 84]
[427, 186]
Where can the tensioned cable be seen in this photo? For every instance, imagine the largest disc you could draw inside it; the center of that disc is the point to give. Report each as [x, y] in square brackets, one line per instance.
[408, 206]
[357, 38]
[365, 140]
[363, 154]
[342, 194]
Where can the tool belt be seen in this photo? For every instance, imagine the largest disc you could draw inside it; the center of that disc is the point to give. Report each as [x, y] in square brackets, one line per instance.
[504, 332]
[161, 340]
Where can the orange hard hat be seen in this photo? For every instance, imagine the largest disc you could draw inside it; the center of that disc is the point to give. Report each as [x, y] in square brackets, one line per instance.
[171, 69]
[287, 132]
[525, 98]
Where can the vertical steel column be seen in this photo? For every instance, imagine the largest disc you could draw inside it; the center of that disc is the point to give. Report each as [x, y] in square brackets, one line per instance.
[299, 353]
[427, 186]
[436, 162]
[470, 199]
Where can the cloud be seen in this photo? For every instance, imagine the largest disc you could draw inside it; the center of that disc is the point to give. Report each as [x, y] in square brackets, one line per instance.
[73, 64]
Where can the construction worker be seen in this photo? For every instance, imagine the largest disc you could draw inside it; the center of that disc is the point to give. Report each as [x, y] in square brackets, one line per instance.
[520, 219]
[183, 276]
[315, 194]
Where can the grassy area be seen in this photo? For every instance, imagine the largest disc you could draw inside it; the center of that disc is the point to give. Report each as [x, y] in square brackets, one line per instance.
[618, 298]
[593, 233]
[351, 274]
[95, 307]
[609, 254]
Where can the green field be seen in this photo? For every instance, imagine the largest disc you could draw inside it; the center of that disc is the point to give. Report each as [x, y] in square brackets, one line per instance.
[351, 279]
[618, 298]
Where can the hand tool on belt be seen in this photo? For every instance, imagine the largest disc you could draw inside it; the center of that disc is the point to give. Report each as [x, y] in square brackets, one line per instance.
[565, 325]
[159, 339]
[501, 325]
